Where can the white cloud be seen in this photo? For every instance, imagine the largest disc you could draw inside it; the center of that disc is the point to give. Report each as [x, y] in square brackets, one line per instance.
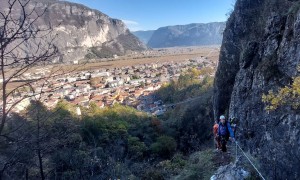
[132, 25]
[129, 22]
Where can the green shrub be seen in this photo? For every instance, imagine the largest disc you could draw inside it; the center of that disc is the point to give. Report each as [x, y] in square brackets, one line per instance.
[199, 166]
[173, 166]
[286, 96]
[136, 148]
[165, 146]
[153, 175]
[188, 86]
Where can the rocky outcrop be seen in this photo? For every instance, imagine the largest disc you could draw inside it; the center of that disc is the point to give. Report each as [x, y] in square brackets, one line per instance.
[261, 52]
[188, 35]
[82, 32]
[230, 172]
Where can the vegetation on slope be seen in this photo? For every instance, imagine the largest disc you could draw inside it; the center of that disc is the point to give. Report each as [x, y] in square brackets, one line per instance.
[286, 96]
[116, 142]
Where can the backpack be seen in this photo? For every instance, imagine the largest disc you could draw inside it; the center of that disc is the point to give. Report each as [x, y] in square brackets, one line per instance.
[224, 130]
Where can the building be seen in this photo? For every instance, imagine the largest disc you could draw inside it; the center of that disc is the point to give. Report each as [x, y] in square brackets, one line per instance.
[136, 82]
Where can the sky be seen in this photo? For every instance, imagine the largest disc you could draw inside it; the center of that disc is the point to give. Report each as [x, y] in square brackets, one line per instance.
[152, 14]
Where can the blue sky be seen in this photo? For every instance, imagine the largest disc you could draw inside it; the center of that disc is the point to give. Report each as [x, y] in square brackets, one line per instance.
[152, 14]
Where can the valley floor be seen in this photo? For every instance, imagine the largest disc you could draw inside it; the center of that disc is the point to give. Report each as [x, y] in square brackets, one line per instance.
[175, 54]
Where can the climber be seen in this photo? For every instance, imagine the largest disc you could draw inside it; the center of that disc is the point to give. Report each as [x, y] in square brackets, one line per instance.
[215, 132]
[224, 133]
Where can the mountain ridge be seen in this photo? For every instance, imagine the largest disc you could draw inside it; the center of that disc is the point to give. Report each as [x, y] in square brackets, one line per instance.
[193, 34]
[79, 28]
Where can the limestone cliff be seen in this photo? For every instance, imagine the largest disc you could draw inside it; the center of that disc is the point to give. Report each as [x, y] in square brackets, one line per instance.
[261, 52]
[82, 32]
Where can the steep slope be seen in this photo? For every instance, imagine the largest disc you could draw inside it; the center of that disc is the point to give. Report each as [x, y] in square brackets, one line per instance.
[144, 36]
[79, 28]
[260, 52]
[188, 35]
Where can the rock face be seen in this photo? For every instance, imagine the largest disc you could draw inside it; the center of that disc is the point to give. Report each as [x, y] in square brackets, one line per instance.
[144, 36]
[230, 172]
[83, 32]
[187, 35]
[261, 52]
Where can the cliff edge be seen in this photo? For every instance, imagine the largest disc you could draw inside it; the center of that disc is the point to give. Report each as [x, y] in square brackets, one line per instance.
[261, 52]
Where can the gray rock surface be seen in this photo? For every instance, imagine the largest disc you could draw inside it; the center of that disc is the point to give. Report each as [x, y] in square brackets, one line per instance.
[230, 172]
[261, 52]
[79, 28]
[188, 35]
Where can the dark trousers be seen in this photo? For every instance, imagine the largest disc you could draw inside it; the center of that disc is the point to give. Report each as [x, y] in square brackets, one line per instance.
[223, 141]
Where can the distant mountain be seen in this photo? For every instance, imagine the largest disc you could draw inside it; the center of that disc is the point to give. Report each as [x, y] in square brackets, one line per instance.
[83, 33]
[144, 36]
[188, 35]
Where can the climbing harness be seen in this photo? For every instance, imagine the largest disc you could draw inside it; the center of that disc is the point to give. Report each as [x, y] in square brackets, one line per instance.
[236, 152]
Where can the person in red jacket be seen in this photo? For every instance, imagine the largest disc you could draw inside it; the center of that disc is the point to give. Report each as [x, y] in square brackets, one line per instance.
[215, 132]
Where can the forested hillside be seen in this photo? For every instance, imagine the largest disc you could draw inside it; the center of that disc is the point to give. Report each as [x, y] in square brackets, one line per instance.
[116, 142]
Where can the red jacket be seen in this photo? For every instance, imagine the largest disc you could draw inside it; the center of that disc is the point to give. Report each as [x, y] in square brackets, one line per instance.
[215, 129]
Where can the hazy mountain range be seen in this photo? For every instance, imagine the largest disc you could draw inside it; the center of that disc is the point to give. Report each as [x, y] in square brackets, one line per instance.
[84, 33]
[195, 34]
[144, 36]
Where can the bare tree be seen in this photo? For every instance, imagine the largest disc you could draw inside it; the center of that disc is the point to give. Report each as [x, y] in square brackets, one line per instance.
[23, 45]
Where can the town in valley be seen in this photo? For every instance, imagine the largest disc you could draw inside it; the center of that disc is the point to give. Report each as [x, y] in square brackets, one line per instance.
[132, 85]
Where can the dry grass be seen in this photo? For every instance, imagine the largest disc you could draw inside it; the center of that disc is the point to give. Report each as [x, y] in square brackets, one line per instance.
[210, 52]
